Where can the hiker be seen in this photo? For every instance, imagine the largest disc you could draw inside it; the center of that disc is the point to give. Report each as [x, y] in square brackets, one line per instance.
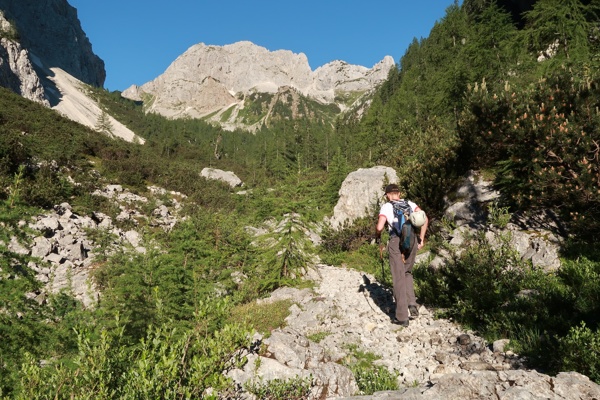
[401, 265]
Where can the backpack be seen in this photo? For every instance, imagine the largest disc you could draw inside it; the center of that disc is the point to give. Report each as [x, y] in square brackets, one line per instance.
[407, 233]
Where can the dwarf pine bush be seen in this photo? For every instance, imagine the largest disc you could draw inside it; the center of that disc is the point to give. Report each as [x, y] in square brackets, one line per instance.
[580, 351]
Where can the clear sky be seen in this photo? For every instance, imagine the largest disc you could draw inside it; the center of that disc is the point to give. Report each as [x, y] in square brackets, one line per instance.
[139, 39]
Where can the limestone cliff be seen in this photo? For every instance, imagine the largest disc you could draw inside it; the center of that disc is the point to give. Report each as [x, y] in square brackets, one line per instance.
[51, 31]
[17, 72]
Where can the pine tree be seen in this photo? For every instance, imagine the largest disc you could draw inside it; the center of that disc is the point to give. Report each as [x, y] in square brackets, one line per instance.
[103, 124]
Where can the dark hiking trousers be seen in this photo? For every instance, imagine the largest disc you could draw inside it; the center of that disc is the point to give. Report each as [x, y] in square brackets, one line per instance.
[402, 279]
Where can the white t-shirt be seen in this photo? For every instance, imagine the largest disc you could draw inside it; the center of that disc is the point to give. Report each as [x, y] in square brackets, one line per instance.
[387, 210]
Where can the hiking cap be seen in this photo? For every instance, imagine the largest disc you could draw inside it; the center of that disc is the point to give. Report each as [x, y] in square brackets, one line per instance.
[392, 188]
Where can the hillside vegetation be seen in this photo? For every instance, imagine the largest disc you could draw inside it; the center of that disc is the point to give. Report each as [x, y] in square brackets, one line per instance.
[472, 95]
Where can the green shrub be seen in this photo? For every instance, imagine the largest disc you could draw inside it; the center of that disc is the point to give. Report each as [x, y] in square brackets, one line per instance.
[286, 253]
[582, 277]
[498, 216]
[483, 277]
[542, 140]
[348, 237]
[491, 290]
[580, 351]
[10, 32]
[167, 363]
[279, 389]
[318, 336]
[374, 379]
[45, 188]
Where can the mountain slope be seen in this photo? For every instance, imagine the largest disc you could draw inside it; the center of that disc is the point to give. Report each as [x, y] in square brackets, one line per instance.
[52, 62]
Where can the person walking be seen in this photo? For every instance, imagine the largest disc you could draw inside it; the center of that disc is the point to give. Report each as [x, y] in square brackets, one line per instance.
[401, 265]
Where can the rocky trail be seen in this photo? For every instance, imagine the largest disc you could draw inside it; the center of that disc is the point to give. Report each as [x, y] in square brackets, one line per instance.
[434, 358]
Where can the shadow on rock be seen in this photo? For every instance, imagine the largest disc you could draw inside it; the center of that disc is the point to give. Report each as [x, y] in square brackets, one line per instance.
[381, 296]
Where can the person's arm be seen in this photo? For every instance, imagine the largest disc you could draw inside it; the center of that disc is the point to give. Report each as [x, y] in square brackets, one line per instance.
[380, 226]
[423, 230]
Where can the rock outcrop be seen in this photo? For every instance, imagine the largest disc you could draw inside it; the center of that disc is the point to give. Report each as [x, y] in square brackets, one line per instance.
[16, 70]
[360, 192]
[64, 252]
[243, 68]
[535, 238]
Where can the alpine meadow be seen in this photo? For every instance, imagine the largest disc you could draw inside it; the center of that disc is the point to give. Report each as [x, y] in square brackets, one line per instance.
[515, 97]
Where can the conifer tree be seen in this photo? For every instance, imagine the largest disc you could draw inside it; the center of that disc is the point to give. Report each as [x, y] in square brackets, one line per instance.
[103, 124]
[562, 28]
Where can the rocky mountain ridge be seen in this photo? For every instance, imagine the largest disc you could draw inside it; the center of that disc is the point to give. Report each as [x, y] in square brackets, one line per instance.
[206, 81]
[48, 58]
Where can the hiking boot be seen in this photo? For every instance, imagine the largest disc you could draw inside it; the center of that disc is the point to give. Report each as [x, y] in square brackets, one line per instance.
[396, 321]
[414, 311]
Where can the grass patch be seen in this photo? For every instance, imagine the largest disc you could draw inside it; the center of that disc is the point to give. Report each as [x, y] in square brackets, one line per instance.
[262, 317]
[318, 336]
[348, 98]
[227, 114]
[370, 378]
[278, 389]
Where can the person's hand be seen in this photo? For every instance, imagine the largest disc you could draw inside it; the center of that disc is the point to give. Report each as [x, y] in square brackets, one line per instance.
[421, 244]
[377, 240]
[382, 249]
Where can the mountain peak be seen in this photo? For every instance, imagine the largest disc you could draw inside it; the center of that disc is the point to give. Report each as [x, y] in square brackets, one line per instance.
[243, 68]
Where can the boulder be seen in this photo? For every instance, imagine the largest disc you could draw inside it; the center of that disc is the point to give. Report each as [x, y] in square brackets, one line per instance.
[361, 194]
[225, 176]
[291, 355]
[535, 237]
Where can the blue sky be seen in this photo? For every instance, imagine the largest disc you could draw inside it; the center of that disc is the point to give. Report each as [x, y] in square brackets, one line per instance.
[139, 39]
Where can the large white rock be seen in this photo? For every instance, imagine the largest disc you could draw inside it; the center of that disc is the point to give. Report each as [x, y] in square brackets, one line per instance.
[361, 193]
[226, 176]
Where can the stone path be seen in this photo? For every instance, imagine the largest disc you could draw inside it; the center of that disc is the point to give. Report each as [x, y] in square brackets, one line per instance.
[355, 309]
[434, 359]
